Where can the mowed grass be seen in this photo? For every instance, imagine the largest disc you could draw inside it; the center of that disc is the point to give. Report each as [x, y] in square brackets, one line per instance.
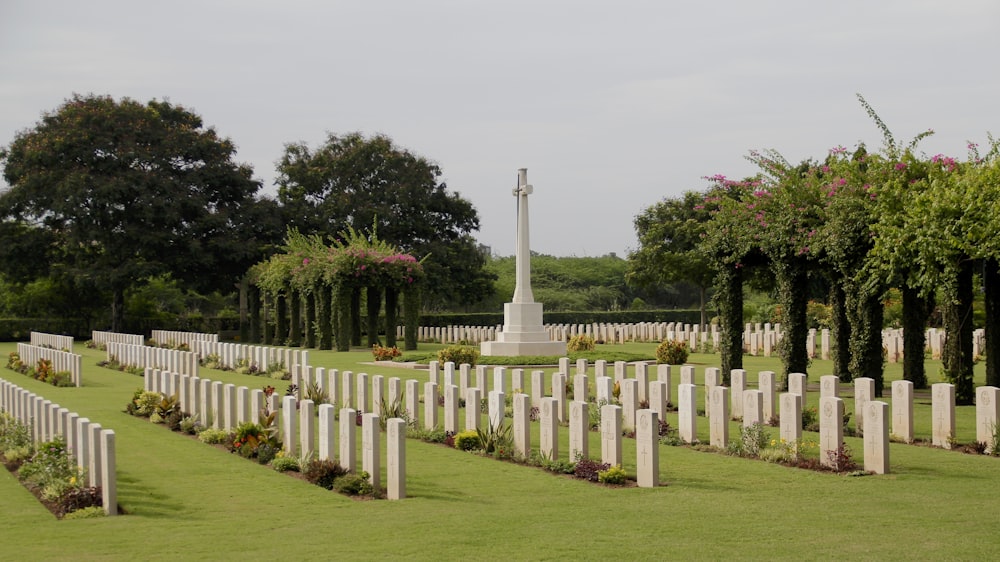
[190, 501]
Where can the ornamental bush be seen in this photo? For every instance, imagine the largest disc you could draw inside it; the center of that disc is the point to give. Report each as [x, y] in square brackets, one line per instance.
[671, 353]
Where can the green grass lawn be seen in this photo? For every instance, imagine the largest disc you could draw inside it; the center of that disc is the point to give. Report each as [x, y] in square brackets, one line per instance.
[190, 501]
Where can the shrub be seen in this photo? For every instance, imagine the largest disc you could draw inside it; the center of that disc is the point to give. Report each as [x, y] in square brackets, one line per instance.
[354, 484]
[672, 353]
[810, 419]
[496, 439]
[615, 475]
[14, 435]
[74, 499]
[458, 354]
[316, 393]
[436, 435]
[385, 353]
[467, 440]
[213, 436]
[589, 469]
[840, 459]
[146, 402]
[190, 425]
[323, 472]
[285, 464]
[86, 513]
[266, 453]
[750, 443]
[580, 342]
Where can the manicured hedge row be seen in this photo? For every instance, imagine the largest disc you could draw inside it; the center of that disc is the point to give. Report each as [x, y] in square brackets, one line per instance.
[19, 329]
[584, 317]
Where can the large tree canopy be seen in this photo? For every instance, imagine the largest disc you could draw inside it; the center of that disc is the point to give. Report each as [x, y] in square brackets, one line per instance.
[130, 191]
[353, 182]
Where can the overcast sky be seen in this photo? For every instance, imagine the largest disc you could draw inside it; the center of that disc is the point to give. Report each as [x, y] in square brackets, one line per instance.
[611, 106]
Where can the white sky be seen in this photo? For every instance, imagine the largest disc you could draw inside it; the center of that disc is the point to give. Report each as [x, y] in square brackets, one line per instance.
[611, 106]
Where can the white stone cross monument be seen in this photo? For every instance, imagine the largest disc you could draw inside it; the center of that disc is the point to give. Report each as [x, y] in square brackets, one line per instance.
[522, 332]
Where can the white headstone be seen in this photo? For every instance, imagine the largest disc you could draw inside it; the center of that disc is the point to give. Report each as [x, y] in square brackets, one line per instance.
[647, 449]
[902, 410]
[876, 437]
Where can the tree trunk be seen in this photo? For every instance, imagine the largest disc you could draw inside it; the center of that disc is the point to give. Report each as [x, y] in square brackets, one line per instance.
[957, 354]
[295, 321]
[702, 294]
[391, 321]
[374, 306]
[118, 309]
[356, 316]
[841, 329]
[866, 314]
[916, 309]
[244, 310]
[793, 293]
[265, 328]
[411, 317]
[280, 319]
[310, 324]
[325, 304]
[342, 317]
[254, 302]
[729, 301]
[991, 283]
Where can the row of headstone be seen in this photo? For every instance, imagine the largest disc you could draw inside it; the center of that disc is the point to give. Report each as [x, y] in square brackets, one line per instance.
[263, 357]
[92, 446]
[51, 340]
[61, 360]
[172, 338]
[185, 362]
[610, 333]
[103, 338]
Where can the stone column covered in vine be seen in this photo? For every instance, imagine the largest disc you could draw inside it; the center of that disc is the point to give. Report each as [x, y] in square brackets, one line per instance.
[324, 314]
[391, 321]
[840, 327]
[991, 283]
[411, 316]
[294, 318]
[373, 305]
[729, 302]
[793, 280]
[956, 357]
[253, 302]
[310, 322]
[916, 310]
[342, 306]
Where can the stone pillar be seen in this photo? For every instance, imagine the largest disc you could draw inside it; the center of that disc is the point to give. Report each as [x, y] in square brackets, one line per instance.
[256, 405]
[658, 398]
[229, 408]
[687, 424]
[642, 381]
[361, 400]
[579, 429]
[307, 435]
[943, 414]
[205, 415]
[451, 408]
[829, 386]
[288, 404]
[902, 410]
[473, 399]
[738, 380]
[83, 448]
[395, 459]
[718, 419]
[791, 417]
[218, 411]
[604, 387]
[559, 393]
[876, 437]
[765, 383]
[497, 404]
[109, 478]
[346, 389]
[95, 471]
[647, 450]
[630, 402]
[449, 373]
[663, 375]
[987, 415]
[327, 431]
[537, 388]
[412, 399]
[753, 407]
[580, 383]
[348, 439]
[831, 429]
[797, 384]
[581, 366]
[333, 386]
[522, 425]
[620, 371]
[430, 405]
[713, 377]
[464, 378]
[864, 390]
[548, 433]
[687, 374]
[499, 379]
[378, 394]
[371, 446]
[433, 371]
[243, 405]
[611, 434]
[481, 377]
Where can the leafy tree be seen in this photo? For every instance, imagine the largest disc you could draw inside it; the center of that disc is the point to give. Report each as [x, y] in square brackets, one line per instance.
[669, 233]
[132, 191]
[355, 182]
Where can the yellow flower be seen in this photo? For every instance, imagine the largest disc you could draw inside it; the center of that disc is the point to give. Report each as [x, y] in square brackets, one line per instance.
[72, 480]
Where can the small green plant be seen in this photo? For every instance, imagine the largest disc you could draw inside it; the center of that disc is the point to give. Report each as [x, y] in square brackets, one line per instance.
[316, 393]
[458, 354]
[580, 342]
[190, 425]
[467, 440]
[615, 475]
[396, 409]
[810, 419]
[213, 436]
[496, 439]
[285, 463]
[840, 460]
[323, 473]
[589, 469]
[672, 353]
[751, 442]
[86, 513]
[995, 450]
[354, 484]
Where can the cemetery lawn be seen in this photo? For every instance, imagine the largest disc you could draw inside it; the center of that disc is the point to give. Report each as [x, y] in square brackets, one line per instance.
[189, 501]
